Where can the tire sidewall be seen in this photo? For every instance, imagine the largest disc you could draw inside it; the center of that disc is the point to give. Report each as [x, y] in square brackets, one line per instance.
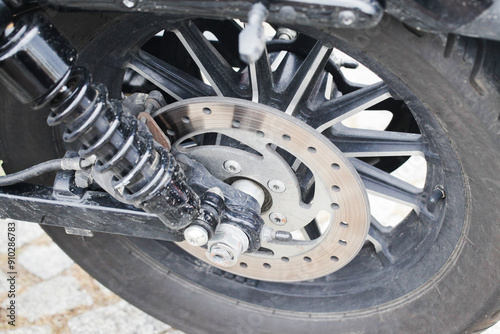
[462, 292]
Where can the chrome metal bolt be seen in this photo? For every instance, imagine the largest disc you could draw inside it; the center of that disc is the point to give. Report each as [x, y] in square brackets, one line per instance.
[277, 218]
[226, 246]
[286, 34]
[437, 195]
[276, 186]
[196, 235]
[232, 167]
[83, 178]
[222, 256]
[347, 17]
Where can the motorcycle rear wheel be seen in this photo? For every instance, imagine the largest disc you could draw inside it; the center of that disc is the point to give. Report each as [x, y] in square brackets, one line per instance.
[452, 286]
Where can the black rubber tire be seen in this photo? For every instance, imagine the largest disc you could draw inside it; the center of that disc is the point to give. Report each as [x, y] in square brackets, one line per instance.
[461, 90]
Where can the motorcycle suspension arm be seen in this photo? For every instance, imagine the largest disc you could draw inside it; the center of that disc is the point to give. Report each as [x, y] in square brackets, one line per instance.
[80, 212]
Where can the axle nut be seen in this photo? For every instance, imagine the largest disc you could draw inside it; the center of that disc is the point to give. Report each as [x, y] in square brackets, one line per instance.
[226, 246]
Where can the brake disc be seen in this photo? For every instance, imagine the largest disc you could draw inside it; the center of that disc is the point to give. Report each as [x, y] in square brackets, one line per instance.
[306, 179]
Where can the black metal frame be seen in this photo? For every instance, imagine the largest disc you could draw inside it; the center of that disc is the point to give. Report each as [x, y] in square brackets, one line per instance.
[363, 13]
[90, 210]
[476, 18]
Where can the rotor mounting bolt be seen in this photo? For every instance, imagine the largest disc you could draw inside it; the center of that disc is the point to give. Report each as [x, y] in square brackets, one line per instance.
[196, 235]
[232, 166]
[276, 186]
[347, 17]
[277, 218]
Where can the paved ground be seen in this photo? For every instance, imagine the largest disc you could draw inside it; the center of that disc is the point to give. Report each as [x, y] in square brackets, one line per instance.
[56, 296]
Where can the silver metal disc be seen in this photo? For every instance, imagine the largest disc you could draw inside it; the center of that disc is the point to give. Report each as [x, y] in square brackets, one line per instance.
[338, 203]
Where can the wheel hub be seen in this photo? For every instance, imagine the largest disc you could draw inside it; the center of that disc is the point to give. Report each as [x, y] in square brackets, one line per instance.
[307, 181]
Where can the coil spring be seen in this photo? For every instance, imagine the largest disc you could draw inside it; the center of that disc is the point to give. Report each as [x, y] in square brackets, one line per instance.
[144, 173]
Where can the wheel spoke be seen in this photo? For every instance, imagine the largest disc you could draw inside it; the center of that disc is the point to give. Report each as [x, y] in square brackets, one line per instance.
[306, 77]
[312, 230]
[337, 110]
[371, 143]
[387, 186]
[171, 80]
[261, 79]
[214, 67]
[227, 34]
[378, 235]
[284, 67]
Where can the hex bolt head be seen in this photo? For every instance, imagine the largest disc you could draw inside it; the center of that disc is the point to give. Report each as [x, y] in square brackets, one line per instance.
[286, 34]
[226, 246]
[232, 167]
[222, 256]
[277, 218]
[83, 178]
[347, 17]
[196, 235]
[276, 186]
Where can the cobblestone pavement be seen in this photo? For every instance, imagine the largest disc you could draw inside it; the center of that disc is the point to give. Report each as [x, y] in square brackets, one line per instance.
[54, 295]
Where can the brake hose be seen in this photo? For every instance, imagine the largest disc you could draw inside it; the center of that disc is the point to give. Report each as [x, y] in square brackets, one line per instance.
[43, 168]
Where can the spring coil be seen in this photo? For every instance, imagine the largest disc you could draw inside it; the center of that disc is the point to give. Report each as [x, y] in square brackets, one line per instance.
[143, 173]
[37, 66]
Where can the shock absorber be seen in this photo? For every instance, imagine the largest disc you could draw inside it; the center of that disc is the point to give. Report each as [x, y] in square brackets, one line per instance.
[37, 65]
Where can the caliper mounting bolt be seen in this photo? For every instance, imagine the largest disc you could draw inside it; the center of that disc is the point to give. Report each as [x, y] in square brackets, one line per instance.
[202, 229]
[196, 235]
